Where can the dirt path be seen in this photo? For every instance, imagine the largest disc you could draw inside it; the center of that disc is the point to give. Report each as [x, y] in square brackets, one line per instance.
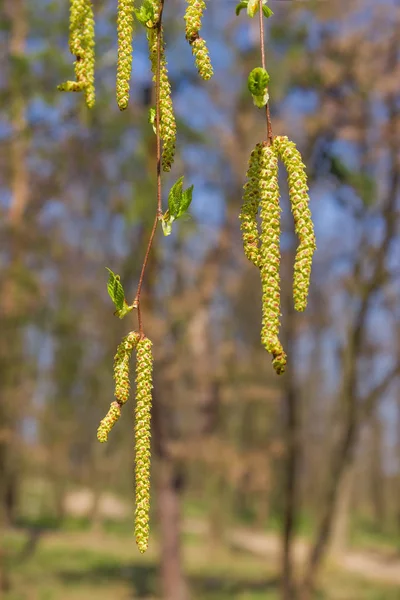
[373, 566]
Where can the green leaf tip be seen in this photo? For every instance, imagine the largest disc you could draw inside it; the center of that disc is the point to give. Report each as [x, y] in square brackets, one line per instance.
[239, 7]
[267, 12]
[179, 201]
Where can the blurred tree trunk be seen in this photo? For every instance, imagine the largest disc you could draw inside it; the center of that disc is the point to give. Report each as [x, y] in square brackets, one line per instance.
[16, 14]
[169, 487]
[291, 436]
[377, 477]
[357, 408]
[341, 519]
[169, 478]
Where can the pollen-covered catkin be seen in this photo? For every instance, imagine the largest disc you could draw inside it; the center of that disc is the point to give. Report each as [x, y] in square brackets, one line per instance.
[270, 255]
[144, 385]
[89, 54]
[298, 192]
[193, 16]
[202, 58]
[81, 45]
[167, 117]
[121, 366]
[121, 377]
[108, 422]
[124, 64]
[248, 213]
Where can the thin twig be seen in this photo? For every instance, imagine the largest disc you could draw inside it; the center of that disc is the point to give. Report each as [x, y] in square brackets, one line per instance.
[269, 124]
[159, 190]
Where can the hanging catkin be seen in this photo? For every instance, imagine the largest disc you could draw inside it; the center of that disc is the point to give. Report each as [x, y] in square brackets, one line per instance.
[122, 384]
[89, 56]
[167, 117]
[193, 16]
[82, 45]
[144, 385]
[270, 255]
[124, 63]
[298, 192]
[248, 213]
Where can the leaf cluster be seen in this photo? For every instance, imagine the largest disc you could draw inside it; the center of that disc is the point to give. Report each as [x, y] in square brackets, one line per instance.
[252, 7]
[145, 14]
[257, 84]
[117, 295]
[179, 201]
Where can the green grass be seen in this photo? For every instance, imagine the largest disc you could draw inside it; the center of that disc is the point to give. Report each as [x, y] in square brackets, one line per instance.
[366, 534]
[70, 565]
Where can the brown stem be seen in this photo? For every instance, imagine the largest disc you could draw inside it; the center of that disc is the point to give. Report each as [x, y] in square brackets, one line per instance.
[268, 115]
[158, 142]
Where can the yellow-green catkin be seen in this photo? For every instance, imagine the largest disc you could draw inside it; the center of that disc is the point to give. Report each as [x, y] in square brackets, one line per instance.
[89, 56]
[108, 422]
[81, 45]
[167, 117]
[193, 15]
[248, 213]
[144, 385]
[270, 255]
[122, 384]
[298, 192]
[124, 64]
[121, 366]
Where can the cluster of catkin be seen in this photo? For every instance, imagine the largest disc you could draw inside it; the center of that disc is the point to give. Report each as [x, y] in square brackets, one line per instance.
[144, 385]
[81, 45]
[261, 196]
[193, 16]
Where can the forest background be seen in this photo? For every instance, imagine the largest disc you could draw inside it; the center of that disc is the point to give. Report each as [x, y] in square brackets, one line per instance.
[262, 486]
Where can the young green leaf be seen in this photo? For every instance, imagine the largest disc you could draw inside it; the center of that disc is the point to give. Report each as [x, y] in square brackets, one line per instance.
[115, 289]
[166, 223]
[179, 201]
[175, 197]
[152, 119]
[257, 84]
[252, 7]
[240, 6]
[261, 101]
[267, 12]
[258, 81]
[145, 14]
[186, 201]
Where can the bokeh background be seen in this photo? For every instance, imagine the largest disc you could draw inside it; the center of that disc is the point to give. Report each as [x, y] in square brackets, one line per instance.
[263, 487]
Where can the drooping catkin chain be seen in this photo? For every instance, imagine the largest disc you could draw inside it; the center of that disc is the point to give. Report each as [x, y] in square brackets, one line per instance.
[124, 64]
[89, 59]
[269, 259]
[249, 211]
[193, 16]
[298, 192]
[144, 385]
[82, 45]
[167, 117]
[122, 385]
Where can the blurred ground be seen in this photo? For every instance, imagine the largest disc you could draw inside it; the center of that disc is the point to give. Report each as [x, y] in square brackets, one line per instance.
[75, 563]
